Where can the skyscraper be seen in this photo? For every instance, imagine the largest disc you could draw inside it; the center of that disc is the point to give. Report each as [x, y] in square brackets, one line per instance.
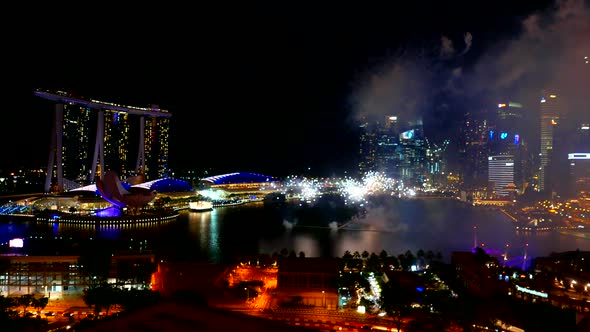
[550, 114]
[474, 149]
[500, 174]
[507, 135]
[71, 162]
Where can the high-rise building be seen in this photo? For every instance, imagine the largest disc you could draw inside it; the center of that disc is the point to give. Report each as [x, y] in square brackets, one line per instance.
[507, 136]
[379, 143]
[77, 119]
[474, 149]
[579, 164]
[500, 174]
[367, 148]
[396, 149]
[117, 142]
[550, 118]
[75, 142]
[156, 143]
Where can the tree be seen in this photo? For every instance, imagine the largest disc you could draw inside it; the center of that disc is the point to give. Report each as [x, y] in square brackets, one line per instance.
[100, 296]
[301, 254]
[365, 254]
[421, 255]
[396, 301]
[383, 254]
[429, 256]
[284, 252]
[6, 304]
[25, 301]
[374, 263]
[347, 255]
[40, 303]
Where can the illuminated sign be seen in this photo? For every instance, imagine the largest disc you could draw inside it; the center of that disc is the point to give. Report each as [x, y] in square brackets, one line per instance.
[15, 243]
[491, 134]
[578, 156]
[517, 105]
[407, 134]
[509, 164]
[530, 291]
[516, 139]
[552, 96]
[501, 105]
[503, 135]
[543, 99]
[392, 118]
[585, 127]
[553, 122]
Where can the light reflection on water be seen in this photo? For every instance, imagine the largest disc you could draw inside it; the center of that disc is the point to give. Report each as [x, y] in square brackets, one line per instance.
[224, 234]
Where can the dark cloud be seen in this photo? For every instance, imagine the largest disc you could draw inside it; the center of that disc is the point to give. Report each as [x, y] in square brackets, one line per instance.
[547, 55]
[546, 52]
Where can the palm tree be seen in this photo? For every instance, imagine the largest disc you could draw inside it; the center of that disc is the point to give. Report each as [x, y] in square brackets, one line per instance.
[429, 256]
[347, 255]
[365, 254]
[420, 254]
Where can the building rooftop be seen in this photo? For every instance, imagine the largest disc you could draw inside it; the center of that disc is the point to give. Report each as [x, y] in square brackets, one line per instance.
[309, 265]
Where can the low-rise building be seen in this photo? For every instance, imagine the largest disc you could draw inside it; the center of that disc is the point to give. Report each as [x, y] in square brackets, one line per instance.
[310, 281]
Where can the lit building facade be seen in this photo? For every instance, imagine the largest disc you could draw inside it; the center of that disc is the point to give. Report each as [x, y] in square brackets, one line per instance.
[117, 142]
[58, 277]
[474, 150]
[72, 163]
[549, 120]
[579, 173]
[156, 146]
[397, 150]
[500, 174]
[75, 147]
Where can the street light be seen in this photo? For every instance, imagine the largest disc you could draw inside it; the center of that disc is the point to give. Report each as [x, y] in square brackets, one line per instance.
[247, 294]
[324, 299]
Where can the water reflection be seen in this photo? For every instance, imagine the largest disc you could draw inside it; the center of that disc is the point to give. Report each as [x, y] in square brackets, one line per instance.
[224, 234]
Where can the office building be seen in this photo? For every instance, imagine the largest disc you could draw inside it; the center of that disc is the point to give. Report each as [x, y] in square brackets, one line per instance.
[501, 174]
[550, 118]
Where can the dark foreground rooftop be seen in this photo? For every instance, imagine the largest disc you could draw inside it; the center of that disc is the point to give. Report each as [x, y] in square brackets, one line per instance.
[182, 315]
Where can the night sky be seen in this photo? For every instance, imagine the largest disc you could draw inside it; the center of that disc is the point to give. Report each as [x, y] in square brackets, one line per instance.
[278, 87]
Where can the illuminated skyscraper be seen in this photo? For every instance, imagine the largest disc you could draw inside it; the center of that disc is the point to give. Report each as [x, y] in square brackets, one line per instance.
[117, 142]
[500, 173]
[549, 120]
[156, 145]
[75, 142]
[70, 161]
[398, 150]
[474, 149]
[367, 149]
[507, 136]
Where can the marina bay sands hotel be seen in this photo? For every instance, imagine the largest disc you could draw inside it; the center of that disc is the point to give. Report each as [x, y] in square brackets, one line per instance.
[119, 132]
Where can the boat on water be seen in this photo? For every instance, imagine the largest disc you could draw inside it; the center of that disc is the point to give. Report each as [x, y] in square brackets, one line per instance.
[200, 206]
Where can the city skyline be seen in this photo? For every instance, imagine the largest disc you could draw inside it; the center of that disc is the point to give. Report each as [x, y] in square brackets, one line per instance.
[282, 88]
